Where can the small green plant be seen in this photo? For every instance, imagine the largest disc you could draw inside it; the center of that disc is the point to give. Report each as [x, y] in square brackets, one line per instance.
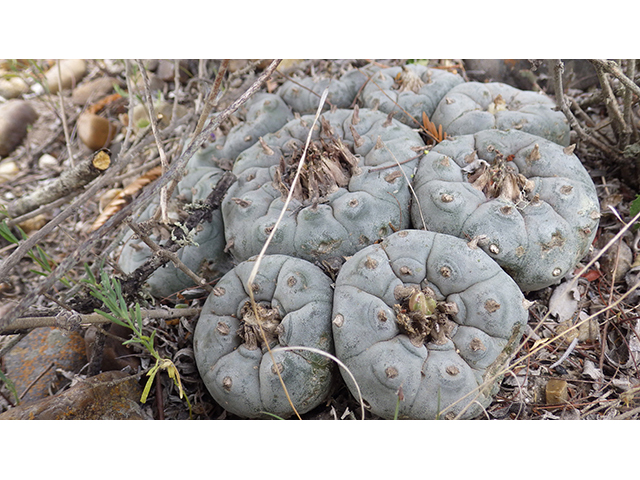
[10, 386]
[109, 292]
[634, 209]
[39, 256]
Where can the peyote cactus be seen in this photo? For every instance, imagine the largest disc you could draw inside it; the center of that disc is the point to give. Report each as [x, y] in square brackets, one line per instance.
[409, 90]
[303, 95]
[352, 190]
[206, 256]
[265, 113]
[294, 301]
[529, 203]
[471, 107]
[428, 320]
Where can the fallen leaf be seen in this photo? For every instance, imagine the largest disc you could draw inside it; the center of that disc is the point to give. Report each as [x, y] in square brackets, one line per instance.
[563, 303]
[590, 370]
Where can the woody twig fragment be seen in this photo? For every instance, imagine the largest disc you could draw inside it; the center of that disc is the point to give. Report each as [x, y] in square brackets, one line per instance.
[67, 183]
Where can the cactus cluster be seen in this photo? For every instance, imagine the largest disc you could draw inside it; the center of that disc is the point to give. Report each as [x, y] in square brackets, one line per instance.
[429, 247]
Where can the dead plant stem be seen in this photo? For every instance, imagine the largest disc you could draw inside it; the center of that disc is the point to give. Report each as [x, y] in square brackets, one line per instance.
[256, 266]
[63, 116]
[211, 100]
[29, 323]
[611, 103]
[176, 89]
[164, 191]
[584, 135]
[614, 69]
[201, 282]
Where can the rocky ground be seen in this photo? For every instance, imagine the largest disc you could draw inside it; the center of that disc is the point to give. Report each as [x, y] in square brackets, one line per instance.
[589, 373]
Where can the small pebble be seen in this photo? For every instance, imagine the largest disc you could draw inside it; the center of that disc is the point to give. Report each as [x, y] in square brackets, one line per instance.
[557, 392]
[71, 72]
[95, 132]
[15, 117]
[8, 171]
[47, 161]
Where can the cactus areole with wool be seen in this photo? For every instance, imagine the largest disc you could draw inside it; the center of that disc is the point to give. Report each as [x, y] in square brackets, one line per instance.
[425, 322]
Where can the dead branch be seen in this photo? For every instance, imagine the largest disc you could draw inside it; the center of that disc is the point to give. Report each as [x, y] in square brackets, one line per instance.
[131, 283]
[211, 99]
[583, 133]
[614, 69]
[170, 256]
[20, 325]
[67, 183]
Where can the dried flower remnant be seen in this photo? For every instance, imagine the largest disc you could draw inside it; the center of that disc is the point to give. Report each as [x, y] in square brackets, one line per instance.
[329, 165]
[421, 317]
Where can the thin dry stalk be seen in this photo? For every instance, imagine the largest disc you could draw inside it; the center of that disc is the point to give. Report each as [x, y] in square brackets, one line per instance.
[28, 323]
[627, 101]
[584, 134]
[611, 103]
[256, 266]
[63, 115]
[212, 98]
[164, 191]
[129, 132]
[176, 89]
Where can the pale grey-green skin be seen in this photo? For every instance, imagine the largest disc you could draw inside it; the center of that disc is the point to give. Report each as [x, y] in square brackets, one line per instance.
[374, 203]
[464, 110]
[568, 205]
[381, 90]
[265, 113]
[303, 95]
[303, 295]
[207, 258]
[382, 358]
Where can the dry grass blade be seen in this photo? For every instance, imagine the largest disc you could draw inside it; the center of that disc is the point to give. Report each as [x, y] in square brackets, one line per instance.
[125, 196]
[256, 265]
[330, 357]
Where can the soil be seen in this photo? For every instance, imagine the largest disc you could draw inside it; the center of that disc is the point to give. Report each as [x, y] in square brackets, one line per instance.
[597, 379]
